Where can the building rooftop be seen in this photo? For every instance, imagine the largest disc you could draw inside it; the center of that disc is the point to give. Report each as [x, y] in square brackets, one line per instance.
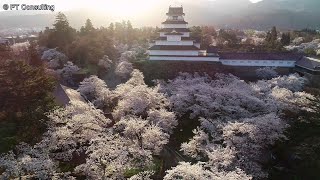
[176, 48]
[4, 41]
[174, 22]
[176, 29]
[182, 38]
[175, 11]
[174, 33]
[309, 63]
[260, 56]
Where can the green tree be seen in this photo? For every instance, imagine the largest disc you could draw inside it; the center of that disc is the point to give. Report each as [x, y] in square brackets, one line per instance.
[271, 41]
[111, 29]
[25, 97]
[34, 58]
[271, 38]
[196, 33]
[227, 36]
[88, 49]
[299, 156]
[130, 33]
[285, 39]
[87, 28]
[310, 52]
[62, 34]
[120, 32]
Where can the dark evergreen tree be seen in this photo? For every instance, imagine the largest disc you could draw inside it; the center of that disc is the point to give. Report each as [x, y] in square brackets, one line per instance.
[130, 33]
[111, 29]
[196, 33]
[25, 97]
[87, 28]
[271, 41]
[62, 34]
[299, 156]
[33, 56]
[285, 39]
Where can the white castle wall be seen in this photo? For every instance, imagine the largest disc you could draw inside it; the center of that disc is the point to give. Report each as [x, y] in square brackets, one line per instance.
[174, 25]
[180, 18]
[198, 58]
[177, 43]
[185, 34]
[267, 63]
[173, 38]
[173, 53]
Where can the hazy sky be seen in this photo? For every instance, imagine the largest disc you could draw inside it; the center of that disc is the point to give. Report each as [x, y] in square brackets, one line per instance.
[121, 8]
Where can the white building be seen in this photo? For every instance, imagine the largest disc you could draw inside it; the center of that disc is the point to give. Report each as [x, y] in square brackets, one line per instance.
[4, 41]
[260, 59]
[174, 43]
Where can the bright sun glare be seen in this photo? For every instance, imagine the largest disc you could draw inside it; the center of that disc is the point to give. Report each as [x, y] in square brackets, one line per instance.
[120, 8]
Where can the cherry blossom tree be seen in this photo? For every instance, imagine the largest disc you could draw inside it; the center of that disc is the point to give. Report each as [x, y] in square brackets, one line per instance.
[96, 91]
[55, 58]
[128, 56]
[266, 73]
[199, 171]
[72, 128]
[227, 95]
[123, 69]
[241, 120]
[145, 175]
[136, 98]
[105, 62]
[110, 156]
[92, 87]
[143, 126]
[292, 82]
[163, 118]
[28, 162]
[121, 48]
[67, 72]
[148, 136]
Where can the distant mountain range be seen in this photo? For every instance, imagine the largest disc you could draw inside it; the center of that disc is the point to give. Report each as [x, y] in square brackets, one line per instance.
[241, 14]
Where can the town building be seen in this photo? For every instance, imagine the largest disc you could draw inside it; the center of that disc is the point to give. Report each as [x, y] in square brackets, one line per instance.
[4, 44]
[4, 41]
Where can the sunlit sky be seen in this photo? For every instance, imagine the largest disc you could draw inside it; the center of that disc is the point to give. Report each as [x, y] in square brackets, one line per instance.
[117, 7]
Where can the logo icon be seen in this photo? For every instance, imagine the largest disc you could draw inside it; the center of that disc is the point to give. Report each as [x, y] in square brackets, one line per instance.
[5, 6]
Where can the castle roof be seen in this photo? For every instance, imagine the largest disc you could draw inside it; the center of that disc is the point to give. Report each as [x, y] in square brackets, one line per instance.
[177, 29]
[175, 11]
[182, 38]
[176, 48]
[173, 33]
[174, 22]
[260, 56]
[309, 63]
